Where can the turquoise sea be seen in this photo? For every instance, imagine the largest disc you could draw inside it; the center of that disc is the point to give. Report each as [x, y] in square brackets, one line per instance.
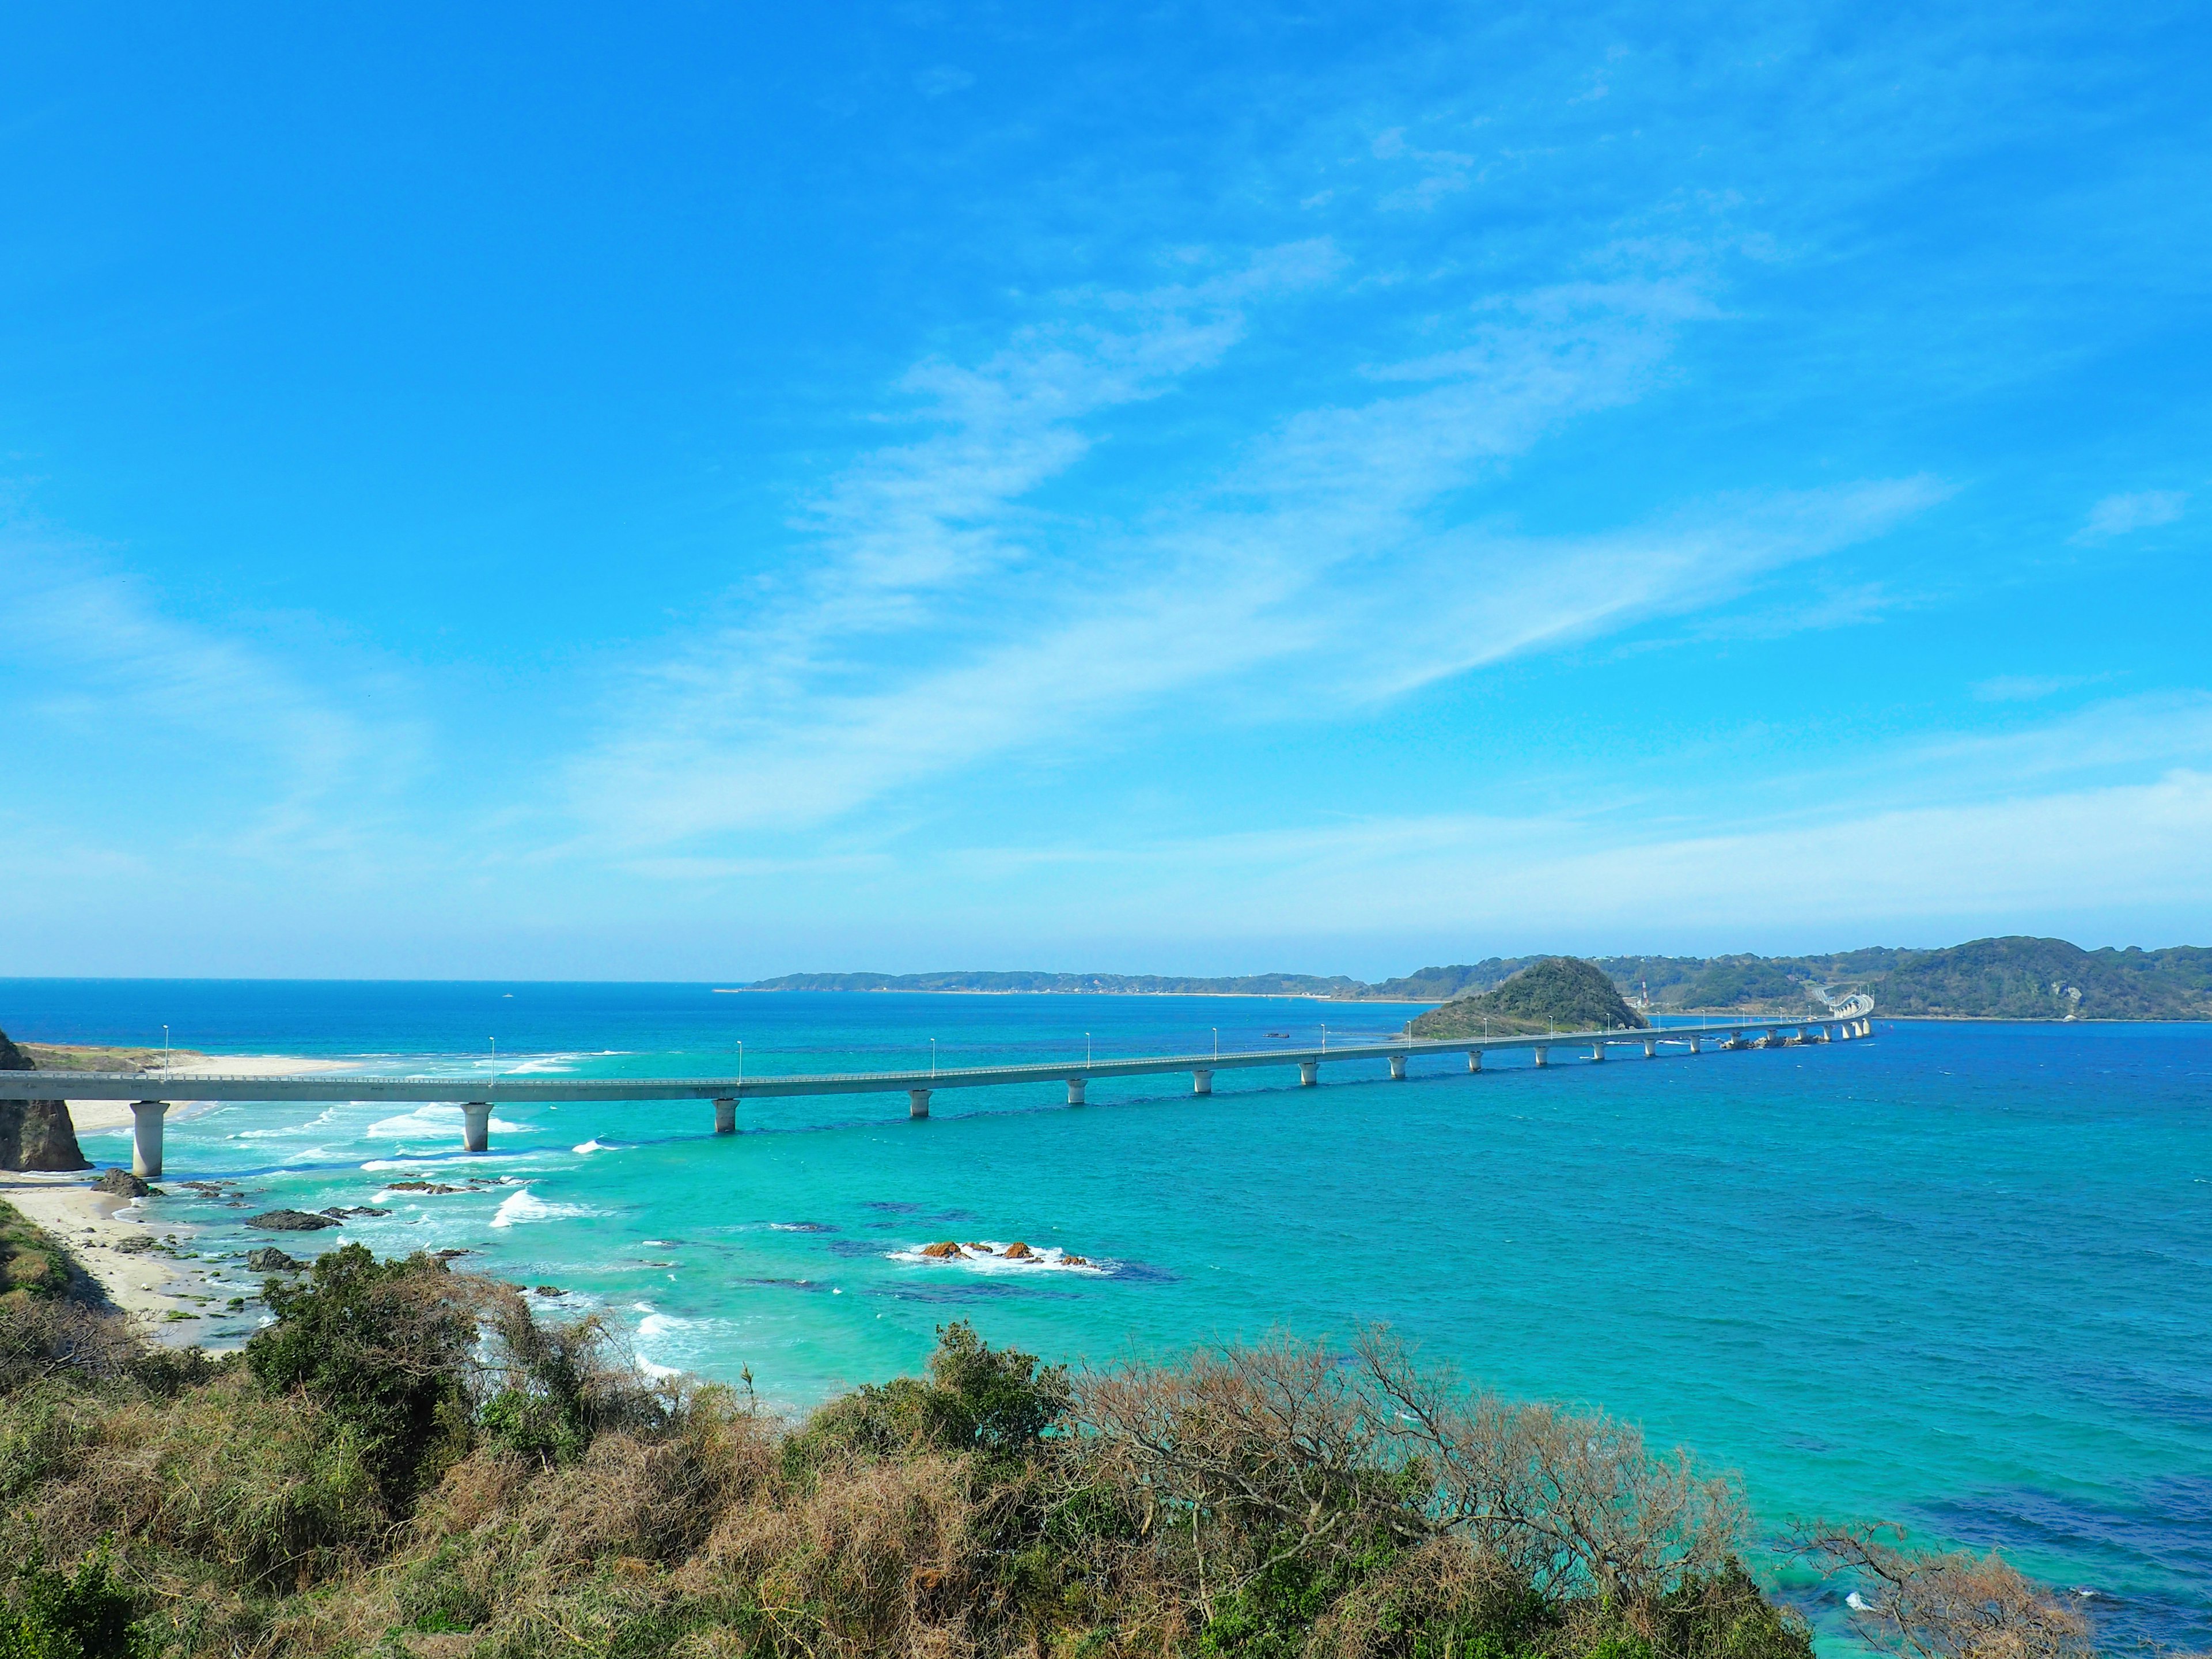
[1958, 1276]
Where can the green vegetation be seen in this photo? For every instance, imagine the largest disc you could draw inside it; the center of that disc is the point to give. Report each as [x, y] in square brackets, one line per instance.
[1986, 979]
[2049, 979]
[1742, 982]
[1553, 993]
[89, 1057]
[407, 1462]
[30, 1263]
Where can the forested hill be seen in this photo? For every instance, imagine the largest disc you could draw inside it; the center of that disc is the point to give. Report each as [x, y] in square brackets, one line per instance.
[1553, 993]
[1249, 985]
[2015, 978]
[2023, 978]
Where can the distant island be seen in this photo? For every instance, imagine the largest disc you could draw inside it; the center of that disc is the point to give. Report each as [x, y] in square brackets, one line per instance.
[2012, 978]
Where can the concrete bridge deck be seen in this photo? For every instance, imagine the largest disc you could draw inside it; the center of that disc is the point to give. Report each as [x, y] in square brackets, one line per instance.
[153, 1093]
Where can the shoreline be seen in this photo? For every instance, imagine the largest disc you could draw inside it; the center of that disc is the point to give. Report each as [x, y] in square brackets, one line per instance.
[100, 1116]
[145, 1265]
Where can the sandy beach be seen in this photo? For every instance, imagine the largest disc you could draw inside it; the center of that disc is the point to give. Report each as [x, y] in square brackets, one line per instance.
[149, 1266]
[97, 1115]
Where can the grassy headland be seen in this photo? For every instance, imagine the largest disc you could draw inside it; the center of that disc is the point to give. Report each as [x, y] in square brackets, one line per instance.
[94, 1057]
[408, 1461]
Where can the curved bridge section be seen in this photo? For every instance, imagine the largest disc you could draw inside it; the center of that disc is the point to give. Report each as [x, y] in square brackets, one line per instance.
[151, 1093]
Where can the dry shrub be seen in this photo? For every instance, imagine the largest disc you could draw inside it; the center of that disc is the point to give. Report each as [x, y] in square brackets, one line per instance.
[1248, 1461]
[868, 1558]
[1572, 1501]
[265, 1490]
[1934, 1605]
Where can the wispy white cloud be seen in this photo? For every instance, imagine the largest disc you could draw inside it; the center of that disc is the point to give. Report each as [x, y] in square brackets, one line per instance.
[2120, 515]
[950, 621]
[943, 78]
[2030, 687]
[101, 669]
[2054, 839]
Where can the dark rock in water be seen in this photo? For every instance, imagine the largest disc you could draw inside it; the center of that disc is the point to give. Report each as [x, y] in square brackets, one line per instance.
[121, 1182]
[337, 1214]
[291, 1221]
[269, 1260]
[136, 1244]
[548, 1290]
[448, 1255]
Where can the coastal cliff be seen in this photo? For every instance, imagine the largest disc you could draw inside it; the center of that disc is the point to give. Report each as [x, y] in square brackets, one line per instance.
[35, 1134]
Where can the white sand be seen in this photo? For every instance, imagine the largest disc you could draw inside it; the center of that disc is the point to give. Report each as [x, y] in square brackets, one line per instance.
[148, 1284]
[87, 1115]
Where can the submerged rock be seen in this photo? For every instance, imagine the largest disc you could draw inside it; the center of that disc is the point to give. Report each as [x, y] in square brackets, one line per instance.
[547, 1290]
[291, 1221]
[1069, 1260]
[270, 1260]
[121, 1182]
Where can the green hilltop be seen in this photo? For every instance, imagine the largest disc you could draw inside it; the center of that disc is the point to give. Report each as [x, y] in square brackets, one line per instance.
[1551, 993]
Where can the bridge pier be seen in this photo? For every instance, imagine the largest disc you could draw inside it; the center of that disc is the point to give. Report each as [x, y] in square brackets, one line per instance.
[1308, 1073]
[1474, 1059]
[1597, 1052]
[146, 1117]
[917, 1103]
[1201, 1083]
[725, 1115]
[1543, 1056]
[1075, 1092]
[1651, 1048]
[1397, 1068]
[475, 1126]
[1697, 1045]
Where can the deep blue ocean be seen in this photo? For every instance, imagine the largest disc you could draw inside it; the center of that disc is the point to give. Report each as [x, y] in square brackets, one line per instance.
[1958, 1276]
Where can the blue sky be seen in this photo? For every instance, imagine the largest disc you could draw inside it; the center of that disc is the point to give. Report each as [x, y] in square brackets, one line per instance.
[699, 492]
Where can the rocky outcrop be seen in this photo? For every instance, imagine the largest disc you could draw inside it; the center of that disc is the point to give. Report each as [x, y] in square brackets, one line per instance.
[1019, 1251]
[35, 1134]
[122, 1183]
[947, 1251]
[291, 1221]
[269, 1260]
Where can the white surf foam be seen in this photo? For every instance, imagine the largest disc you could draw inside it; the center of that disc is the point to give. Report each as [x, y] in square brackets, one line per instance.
[988, 1255]
[525, 1206]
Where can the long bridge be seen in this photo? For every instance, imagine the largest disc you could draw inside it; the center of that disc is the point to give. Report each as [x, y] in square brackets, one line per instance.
[152, 1093]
